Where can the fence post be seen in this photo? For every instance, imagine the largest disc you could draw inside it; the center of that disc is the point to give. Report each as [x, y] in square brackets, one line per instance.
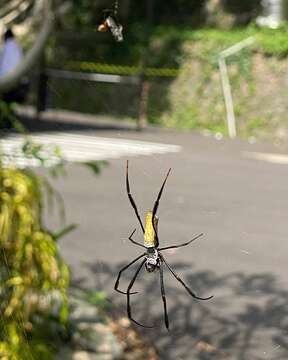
[227, 98]
[231, 123]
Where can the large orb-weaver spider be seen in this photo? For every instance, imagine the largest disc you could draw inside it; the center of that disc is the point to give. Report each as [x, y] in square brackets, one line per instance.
[153, 258]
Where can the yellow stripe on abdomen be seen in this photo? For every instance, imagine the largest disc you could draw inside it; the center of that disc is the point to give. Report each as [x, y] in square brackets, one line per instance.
[149, 235]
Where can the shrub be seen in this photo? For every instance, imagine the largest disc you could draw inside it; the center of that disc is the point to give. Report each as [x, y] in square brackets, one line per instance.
[34, 278]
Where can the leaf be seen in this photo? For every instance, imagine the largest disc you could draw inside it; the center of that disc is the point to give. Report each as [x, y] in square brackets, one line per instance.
[14, 281]
[64, 231]
[95, 166]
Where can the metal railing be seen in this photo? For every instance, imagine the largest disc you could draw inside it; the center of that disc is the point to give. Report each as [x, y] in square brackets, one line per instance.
[106, 78]
[136, 84]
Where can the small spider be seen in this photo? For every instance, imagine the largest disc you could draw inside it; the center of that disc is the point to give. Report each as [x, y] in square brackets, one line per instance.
[153, 258]
[110, 21]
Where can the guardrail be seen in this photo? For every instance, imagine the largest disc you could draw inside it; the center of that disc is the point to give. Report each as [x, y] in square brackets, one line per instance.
[97, 77]
[106, 73]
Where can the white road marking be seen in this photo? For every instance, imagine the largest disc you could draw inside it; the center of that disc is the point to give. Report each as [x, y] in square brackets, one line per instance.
[269, 157]
[77, 147]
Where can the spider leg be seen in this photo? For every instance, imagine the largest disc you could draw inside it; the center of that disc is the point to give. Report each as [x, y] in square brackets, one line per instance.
[163, 296]
[177, 246]
[182, 282]
[132, 200]
[135, 242]
[156, 204]
[128, 296]
[120, 273]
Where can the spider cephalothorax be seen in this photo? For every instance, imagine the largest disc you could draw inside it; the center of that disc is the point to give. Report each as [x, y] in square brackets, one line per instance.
[153, 258]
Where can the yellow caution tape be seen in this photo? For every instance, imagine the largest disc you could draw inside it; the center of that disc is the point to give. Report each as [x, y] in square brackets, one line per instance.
[120, 69]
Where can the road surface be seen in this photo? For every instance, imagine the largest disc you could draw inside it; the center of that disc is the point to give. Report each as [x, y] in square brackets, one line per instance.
[233, 192]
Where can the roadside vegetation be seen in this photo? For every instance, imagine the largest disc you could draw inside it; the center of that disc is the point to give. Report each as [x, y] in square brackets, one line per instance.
[257, 77]
[34, 278]
[191, 98]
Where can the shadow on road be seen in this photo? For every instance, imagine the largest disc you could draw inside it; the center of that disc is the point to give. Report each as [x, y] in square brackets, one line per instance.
[67, 122]
[246, 320]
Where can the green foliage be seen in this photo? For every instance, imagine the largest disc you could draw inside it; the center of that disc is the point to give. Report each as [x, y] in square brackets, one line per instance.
[63, 232]
[164, 46]
[211, 41]
[196, 98]
[274, 42]
[269, 42]
[34, 278]
[85, 13]
[42, 152]
[8, 118]
[96, 166]
[255, 124]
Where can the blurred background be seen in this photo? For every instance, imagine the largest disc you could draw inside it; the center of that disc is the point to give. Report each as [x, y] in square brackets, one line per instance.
[167, 67]
[196, 86]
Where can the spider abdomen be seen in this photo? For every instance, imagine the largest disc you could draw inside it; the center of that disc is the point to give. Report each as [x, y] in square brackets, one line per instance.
[150, 239]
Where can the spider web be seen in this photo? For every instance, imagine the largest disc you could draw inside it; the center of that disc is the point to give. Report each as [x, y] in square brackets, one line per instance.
[98, 270]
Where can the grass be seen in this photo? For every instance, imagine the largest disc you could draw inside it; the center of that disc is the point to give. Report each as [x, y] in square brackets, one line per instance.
[195, 97]
[271, 42]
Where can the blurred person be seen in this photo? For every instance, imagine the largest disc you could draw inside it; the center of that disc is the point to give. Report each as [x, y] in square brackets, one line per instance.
[11, 55]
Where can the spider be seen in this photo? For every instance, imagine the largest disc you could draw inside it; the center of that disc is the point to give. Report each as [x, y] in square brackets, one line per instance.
[153, 258]
[111, 22]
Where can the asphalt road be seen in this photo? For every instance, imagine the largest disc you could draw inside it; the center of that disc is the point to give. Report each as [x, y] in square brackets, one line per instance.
[215, 187]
